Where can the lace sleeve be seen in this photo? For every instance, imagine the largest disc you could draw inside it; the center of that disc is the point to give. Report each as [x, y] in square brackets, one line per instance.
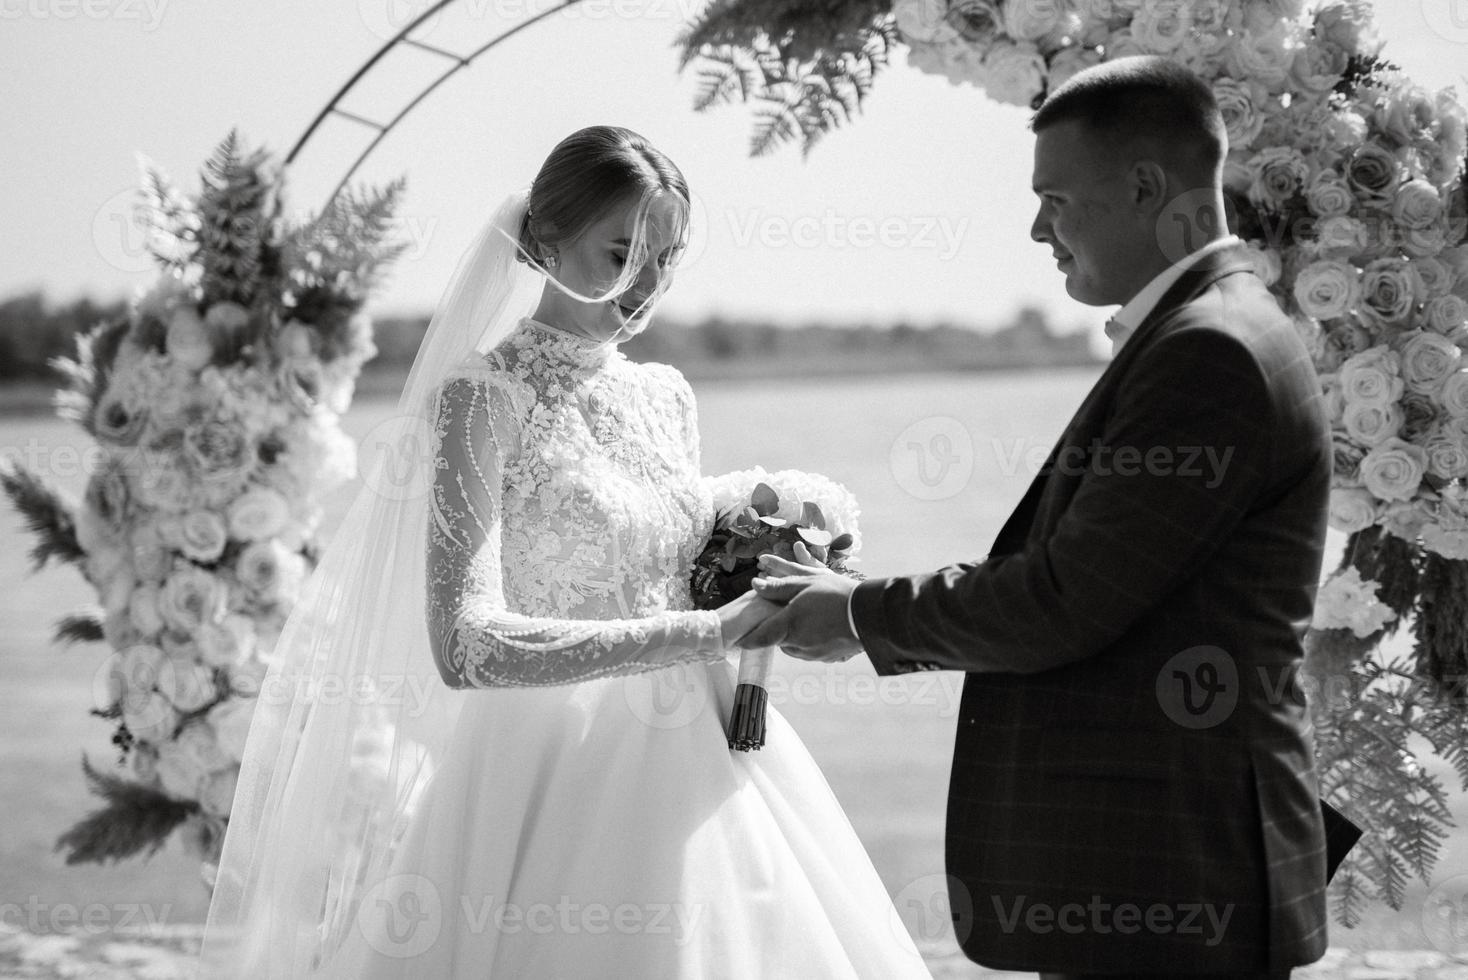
[476, 640]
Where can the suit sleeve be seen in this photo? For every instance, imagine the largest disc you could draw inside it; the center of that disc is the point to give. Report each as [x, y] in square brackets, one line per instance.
[1181, 460]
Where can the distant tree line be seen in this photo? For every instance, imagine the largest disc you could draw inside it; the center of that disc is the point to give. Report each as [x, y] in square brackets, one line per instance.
[32, 331]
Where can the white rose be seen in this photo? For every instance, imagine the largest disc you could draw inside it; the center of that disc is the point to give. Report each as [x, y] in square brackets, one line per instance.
[1341, 237]
[1261, 56]
[223, 643]
[199, 534]
[1348, 25]
[1372, 173]
[1421, 243]
[1346, 601]
[917, 20]
[226, 320]
[1277, 174]
[190, 598]
[188, 686]
[1394, 470]
[1123, 44]
[1417, 205]
[1427, 361]
[269, 570]
[148, 552]
[1014, 73]
[1434, 276]
[1030, 20]
[977, 22]
[1318, 68]
[1447, 456]
[1371, 425]
[142, 609]
[1161, 26]
[1388, 291]
[1402, 519]
[1454, 394]
[1352, 509]
[1236, 101]
[258, 513]
[230, 719]
[1327, 289]
[1447, 315]
[1329, 196]
[1451, 544]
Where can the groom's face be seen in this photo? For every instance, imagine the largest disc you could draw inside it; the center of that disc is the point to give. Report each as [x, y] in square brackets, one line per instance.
[1084, 213]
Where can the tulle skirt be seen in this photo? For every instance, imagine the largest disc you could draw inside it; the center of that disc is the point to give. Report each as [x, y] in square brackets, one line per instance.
[605, 829]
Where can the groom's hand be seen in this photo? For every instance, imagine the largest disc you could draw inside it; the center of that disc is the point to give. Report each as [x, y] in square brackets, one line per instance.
[814, 624]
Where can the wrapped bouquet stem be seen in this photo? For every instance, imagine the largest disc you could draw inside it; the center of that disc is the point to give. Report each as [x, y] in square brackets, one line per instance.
[747, 720]
[761, 513]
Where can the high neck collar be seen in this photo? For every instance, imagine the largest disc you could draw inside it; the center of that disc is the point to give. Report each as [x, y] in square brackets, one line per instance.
[564, 346]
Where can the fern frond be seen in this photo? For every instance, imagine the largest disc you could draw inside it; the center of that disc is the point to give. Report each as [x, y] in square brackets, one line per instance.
[48, 513]
[79, 628]
[136, 818]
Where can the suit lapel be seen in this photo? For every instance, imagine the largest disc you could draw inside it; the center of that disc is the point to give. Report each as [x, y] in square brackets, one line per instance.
[1207, 271]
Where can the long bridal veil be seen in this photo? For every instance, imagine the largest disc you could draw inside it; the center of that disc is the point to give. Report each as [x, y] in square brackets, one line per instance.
[352, 714]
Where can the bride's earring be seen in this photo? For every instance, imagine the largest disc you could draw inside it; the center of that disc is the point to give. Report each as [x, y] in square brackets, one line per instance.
[551, 260]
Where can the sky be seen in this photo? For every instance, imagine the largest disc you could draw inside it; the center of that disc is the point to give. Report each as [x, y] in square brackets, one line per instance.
[918, 211]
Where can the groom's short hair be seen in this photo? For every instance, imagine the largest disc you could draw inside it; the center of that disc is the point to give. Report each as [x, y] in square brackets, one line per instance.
[1143, 100]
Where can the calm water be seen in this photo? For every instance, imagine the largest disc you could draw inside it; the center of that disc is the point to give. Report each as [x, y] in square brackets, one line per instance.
[937, 462]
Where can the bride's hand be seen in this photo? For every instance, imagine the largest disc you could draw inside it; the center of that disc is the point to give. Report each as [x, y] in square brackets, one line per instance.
[738, 617]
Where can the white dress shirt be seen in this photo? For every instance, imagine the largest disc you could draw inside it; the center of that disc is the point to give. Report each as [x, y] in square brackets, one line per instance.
[1124, 323]
[1130, 317]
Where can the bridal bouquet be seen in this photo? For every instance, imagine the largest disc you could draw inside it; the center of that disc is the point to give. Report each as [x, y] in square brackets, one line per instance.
[762, 513]
[215, 404]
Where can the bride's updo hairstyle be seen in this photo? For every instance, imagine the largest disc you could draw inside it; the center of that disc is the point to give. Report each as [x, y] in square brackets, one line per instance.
[587, 174]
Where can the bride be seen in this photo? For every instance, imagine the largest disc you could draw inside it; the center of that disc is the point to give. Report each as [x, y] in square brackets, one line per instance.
[492, 741]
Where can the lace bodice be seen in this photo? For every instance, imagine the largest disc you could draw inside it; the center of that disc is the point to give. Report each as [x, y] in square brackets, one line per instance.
[567, 509]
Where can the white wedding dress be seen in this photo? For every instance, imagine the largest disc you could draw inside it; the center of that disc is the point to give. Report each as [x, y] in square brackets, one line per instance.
[589, 818]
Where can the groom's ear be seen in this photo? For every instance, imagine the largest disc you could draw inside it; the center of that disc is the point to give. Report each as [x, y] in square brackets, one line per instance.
[1147, 187]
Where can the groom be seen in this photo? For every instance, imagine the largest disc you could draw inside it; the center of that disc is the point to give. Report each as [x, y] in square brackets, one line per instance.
[1133, 791]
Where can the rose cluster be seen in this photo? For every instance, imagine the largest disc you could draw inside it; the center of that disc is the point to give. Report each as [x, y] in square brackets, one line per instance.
[198, 524]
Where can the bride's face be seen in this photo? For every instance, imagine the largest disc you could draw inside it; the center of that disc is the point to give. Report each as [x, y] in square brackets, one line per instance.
[591, 263]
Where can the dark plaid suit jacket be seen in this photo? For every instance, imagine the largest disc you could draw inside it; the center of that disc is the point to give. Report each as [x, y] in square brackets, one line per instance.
[1133, 785]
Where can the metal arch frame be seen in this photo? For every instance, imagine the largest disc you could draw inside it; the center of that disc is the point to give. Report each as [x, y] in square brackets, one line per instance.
[460, 62]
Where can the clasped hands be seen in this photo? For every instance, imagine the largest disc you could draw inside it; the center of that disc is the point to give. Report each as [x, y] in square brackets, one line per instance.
[799, 606]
